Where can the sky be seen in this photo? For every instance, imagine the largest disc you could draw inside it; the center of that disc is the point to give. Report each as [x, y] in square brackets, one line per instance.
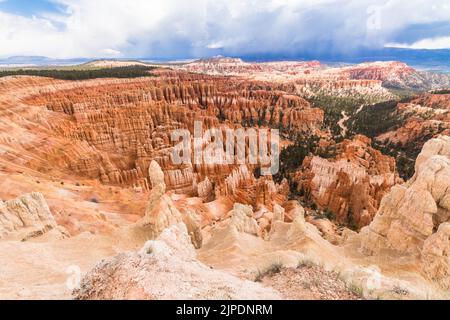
[178, 29]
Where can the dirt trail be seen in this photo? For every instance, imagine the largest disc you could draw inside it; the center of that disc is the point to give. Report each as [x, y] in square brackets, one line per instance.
[341, 123]
[359, 109]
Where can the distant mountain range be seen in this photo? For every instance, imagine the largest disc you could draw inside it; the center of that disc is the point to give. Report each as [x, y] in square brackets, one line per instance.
[40, 61]
[426, 60]
[429, 60]
[420, 74]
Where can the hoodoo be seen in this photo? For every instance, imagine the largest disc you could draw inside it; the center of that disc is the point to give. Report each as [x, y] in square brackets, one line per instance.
[92, 183]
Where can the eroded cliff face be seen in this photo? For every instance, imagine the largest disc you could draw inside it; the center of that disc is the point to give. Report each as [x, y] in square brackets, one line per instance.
[166, 268]
[110, 130]
[313, 76]
[100, 153]
[309, 78]
[350, 185]
[118, 129]
[161, 212]
[413, 218]
[395, 74]
[422, 118]
[28, 217]
[169, 267]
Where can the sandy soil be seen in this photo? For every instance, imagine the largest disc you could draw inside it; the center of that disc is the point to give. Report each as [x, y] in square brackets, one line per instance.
[311, 282]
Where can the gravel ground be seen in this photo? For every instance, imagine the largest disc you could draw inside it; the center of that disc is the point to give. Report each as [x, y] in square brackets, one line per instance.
[311, 282]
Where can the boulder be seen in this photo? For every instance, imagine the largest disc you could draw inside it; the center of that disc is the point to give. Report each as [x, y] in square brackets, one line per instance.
[28, 217]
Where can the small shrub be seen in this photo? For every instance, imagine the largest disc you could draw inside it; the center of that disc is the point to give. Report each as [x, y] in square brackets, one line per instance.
[351, 223]
[274, 268]
[316, 282]
[259, 276]
[305, 263]
[329, 215]
[355, 289]
[306, 285]
[400, 290]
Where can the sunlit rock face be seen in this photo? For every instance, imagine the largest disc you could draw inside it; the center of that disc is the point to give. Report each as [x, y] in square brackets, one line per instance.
[413, 218]
[422, 118]
[312, 76]
[350, 185]
[117, 129]
[100, 137]
[397, 74]
[165, 268]
[100, 156]
[28, 217]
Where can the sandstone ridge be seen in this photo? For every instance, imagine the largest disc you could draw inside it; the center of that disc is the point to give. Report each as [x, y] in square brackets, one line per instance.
[28, 217]
[413, 218]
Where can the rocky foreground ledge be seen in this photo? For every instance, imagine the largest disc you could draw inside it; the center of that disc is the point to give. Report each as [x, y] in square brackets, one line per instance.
[412, 225]
[413, 218]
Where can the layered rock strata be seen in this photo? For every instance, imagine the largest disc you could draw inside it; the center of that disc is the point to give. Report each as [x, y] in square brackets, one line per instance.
[118, 129]
[413, 218]
[352, 184]
[28, 217]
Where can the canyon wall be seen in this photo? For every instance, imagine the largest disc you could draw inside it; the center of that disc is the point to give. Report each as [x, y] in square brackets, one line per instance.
[414, 218]
[117, 130]
[28, 217]
[350, 185]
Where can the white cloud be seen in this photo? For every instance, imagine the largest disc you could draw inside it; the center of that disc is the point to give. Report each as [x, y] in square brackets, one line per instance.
[111, 52]
[159, 28]
[429, 43]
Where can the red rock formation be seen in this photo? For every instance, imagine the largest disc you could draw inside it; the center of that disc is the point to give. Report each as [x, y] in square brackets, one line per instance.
[121, 128]
[352, 184]
[383, 71]
[413, 218]
[312, 77]
[396, 74]
[425, 117]
[110, 130]
[233, 66]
